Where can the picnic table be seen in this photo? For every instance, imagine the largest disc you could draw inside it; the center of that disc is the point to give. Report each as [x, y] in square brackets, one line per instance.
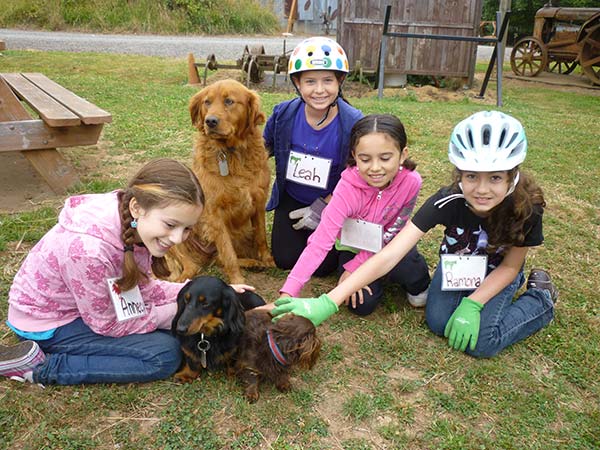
[65, 120]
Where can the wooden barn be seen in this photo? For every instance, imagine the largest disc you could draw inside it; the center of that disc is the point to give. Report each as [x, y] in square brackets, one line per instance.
[360, 26]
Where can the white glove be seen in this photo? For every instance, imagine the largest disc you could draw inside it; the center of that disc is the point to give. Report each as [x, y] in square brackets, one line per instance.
[309, 216]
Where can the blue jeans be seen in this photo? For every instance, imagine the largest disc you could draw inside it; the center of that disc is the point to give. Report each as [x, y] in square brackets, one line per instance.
[77, 355]
[503, 322]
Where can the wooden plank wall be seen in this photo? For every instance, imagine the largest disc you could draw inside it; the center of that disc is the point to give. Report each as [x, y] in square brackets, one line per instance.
[360, 25]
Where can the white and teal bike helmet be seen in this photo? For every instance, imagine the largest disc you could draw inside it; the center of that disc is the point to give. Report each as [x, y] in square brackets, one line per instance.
[488, 141]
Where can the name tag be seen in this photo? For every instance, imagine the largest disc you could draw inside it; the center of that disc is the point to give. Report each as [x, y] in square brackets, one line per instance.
[128, 304]
[308, 170]
[463, 272]
[362, 234]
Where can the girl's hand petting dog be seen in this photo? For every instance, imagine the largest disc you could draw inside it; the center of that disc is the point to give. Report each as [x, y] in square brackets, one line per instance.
[241, 288]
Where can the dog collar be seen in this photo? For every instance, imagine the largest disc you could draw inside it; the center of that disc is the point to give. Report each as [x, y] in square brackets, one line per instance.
[277, 354]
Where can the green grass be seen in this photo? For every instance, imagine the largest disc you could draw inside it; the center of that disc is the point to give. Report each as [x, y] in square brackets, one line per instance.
[141, 16]
[383, 381]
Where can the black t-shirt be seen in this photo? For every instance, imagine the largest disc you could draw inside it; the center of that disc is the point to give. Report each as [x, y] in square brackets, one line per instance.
[465, 232]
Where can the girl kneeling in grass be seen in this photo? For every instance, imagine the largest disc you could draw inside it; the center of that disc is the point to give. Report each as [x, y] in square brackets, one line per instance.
[492, 213]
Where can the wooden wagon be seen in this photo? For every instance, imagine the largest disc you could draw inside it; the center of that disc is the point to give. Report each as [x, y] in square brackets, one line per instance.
[562, 39]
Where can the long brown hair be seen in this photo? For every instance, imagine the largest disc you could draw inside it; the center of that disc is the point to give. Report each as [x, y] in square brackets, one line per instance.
[506, 222]
[380, 123]
[158, 184]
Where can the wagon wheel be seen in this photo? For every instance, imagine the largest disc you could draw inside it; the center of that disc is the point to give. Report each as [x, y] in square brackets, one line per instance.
[589, 55]
[562, 67]
[528, 57]
[253, 71]
[257, 49]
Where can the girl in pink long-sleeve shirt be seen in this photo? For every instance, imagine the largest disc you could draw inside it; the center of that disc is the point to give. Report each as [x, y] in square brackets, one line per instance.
[370, 204]
[86, 303]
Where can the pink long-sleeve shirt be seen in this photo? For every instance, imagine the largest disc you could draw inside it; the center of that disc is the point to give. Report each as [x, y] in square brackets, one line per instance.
[354, 198]
[64, 275]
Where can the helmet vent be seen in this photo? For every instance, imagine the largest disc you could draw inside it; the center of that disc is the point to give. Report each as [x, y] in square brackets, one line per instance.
[460, 140]
[470, 136]
[512, 139]
[485, 135]
[516, 150]
[502, 137]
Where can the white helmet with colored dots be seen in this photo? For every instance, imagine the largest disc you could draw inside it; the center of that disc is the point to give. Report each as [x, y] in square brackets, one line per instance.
[318, 53]
[488, 141]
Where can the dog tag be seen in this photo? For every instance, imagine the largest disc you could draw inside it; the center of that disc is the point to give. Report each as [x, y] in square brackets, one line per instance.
[223, 166]
[203, 346]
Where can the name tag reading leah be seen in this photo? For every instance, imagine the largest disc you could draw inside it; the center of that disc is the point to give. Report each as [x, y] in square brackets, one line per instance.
[463, 272]
[128, 304]
[308, 170]
[362, 234]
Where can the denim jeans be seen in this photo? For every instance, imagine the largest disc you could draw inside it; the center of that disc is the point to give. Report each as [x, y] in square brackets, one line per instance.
[77, 355]
[411, 273]
[503, 322]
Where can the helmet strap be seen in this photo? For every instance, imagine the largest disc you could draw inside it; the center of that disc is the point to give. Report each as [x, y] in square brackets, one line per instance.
[513, 184]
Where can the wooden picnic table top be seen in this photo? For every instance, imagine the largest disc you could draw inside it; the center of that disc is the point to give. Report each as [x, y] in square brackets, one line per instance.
[65, 120]
[56, 105]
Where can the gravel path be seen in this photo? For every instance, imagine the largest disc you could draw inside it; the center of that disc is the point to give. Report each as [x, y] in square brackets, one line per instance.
[224, 47]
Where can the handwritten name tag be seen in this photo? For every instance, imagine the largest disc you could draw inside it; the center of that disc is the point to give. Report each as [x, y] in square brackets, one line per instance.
[308, 170]
[462, 272]
[362, 234]
[128, 304]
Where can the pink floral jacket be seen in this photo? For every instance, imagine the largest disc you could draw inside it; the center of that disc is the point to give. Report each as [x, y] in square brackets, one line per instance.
[64, 275]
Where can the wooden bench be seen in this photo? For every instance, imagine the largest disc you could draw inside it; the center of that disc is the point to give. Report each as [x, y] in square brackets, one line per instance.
[65, 120]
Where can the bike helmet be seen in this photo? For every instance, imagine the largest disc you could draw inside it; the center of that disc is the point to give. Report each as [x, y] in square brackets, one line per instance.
[487, 141]
[318, 53]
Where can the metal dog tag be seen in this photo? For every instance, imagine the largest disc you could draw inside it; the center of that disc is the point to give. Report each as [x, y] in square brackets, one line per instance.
[203, 346]
[223, 166]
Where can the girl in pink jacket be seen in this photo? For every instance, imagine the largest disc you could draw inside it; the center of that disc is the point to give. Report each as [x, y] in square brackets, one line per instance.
[371, 203]
[86, 303]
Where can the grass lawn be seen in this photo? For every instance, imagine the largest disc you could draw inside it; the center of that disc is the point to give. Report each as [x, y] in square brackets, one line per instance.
[382, 382]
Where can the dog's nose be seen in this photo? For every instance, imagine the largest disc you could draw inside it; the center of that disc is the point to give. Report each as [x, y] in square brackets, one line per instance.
[181, 329]
[211, 121]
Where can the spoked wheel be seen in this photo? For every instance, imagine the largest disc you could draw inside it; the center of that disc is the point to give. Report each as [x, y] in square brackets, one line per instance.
[562, 67]
[589, 55]
[528, 57]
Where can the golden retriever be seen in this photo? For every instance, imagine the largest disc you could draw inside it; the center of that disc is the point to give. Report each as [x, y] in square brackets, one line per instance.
[230, 161]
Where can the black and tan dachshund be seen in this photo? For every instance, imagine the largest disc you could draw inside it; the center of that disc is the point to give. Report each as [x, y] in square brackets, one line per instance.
[209, 324]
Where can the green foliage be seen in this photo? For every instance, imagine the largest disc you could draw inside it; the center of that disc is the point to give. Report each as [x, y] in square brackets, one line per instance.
[141, 16]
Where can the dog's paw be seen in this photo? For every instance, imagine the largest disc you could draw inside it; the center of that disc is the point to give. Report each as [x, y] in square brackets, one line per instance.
[252, 394]
[185, 375]
[284, 386]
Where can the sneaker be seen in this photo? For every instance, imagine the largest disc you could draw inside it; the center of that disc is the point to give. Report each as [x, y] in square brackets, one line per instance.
[418, 300]
[18, 361]
[540, 279]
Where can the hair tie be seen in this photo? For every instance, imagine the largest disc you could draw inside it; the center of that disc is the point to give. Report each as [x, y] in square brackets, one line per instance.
[128, 248]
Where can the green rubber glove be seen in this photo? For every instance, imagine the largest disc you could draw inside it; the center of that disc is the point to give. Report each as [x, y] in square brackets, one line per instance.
[316, 310]
[463, 326]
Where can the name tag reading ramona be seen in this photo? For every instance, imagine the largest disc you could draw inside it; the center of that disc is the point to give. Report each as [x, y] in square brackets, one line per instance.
[463, 272]
[128, 304]
[308, 170]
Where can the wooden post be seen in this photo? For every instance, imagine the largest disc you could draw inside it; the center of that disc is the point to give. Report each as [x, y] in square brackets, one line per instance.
[193, 77]
[2, 45]
[505, 5]
[292, 16]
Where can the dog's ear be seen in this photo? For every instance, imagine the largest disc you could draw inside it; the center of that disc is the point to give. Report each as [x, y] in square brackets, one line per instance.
[250, 300]
[233, 312]
[180, 306]
[255, 115]
[196, 103]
